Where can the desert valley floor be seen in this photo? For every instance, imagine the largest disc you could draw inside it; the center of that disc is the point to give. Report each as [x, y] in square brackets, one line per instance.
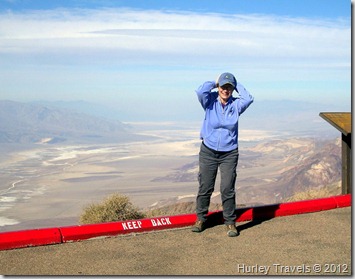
[49, 185]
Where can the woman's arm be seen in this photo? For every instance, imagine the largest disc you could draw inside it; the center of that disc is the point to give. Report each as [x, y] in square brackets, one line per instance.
[205, 94]
[245, 98]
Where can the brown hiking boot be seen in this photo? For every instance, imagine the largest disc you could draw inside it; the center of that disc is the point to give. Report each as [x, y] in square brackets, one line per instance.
[199, 226]
[232, 230]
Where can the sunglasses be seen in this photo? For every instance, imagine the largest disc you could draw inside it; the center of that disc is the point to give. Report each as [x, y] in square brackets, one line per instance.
[228, 87]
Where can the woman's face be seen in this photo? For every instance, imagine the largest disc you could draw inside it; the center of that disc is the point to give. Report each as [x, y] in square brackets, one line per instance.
[225, 92]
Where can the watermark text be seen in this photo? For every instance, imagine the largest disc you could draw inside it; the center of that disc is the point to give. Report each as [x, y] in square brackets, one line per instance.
[327, 268]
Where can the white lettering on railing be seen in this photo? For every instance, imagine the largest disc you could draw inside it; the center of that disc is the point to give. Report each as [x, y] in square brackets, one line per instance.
[156, 222]
[160, 222]
[132, 225]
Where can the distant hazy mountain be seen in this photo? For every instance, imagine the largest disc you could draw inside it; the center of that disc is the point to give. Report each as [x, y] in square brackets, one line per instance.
[61, 120]
[271, 115]
[32, 123]
[81, 106]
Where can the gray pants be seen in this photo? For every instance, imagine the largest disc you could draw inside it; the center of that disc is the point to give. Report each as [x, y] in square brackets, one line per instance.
[209, 161]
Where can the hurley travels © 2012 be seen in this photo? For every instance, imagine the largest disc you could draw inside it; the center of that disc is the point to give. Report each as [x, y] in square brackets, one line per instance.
[328, 268]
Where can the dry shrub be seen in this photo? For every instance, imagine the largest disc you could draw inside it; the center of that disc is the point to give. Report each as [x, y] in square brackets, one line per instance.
[116, 207]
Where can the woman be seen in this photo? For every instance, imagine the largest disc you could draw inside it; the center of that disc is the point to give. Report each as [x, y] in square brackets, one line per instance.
[219, 148]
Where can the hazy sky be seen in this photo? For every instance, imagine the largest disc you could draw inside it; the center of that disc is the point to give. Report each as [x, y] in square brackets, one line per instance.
[140, 56]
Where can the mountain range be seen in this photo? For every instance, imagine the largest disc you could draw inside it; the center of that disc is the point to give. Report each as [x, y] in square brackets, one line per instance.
[37, 123]
[285, 115]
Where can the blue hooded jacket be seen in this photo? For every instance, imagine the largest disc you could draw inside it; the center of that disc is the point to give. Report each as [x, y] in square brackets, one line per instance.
[220, 127]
